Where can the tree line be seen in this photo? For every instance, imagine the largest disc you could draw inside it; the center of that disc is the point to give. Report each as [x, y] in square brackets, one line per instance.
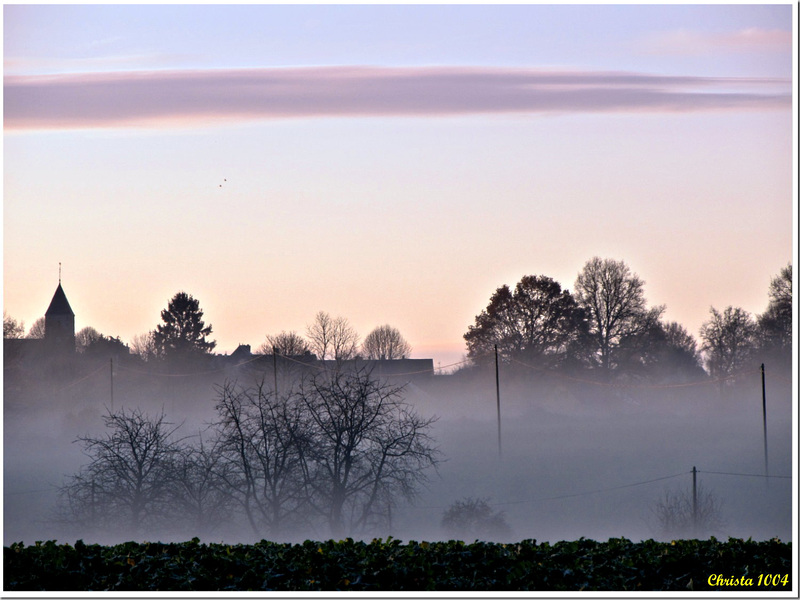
[606, 326]
[333, 455]
[183, 337]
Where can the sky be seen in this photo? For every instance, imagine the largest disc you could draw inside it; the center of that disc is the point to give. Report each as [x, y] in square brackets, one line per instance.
[390, 164]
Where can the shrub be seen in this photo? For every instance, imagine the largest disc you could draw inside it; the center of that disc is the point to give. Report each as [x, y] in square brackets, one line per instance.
[473, 518]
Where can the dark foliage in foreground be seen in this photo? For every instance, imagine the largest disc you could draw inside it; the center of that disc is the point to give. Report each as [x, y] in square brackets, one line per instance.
[618, 564]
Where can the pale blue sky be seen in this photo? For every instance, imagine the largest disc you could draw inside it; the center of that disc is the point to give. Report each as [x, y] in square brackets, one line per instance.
[620, 37]
[411, 217]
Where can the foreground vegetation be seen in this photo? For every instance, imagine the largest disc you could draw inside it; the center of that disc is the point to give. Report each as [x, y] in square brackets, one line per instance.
[617, 564]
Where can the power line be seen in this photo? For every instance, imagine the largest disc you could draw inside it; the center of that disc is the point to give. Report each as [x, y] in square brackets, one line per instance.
[747, 475]
[634, 385]
[283, 358]
[575, 495]
[84, 378]
[618, 487]
[195, 374]
[322, 367]
[545, 498]
[75, 382]
[29, 492]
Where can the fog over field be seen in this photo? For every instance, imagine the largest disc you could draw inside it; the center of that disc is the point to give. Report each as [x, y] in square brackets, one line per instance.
[578, 459]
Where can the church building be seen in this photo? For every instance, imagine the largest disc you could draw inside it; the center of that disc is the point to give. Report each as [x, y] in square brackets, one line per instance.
[57, 346]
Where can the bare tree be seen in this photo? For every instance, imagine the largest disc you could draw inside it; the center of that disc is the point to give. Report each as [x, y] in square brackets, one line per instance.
[728, 340]
[12, 329]
[199, 497]
[286, 344]
[613, 298]
[36, 332]
[473, 518]
[259, 442]
[143, 345]
[385, 343]
[775, 325]
[673, 353]
[320, 333]
[85, 338]
[128, 480]
[344, 341]
[679, 516]
[364, 449]
[332, 338]
[680, 339]
[291, 351]
[780, 288]
[342, 451]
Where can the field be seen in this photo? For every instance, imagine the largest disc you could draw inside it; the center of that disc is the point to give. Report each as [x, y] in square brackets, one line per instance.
[390, 565]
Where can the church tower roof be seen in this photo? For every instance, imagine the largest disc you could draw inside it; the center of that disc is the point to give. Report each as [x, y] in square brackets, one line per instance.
[59, 305]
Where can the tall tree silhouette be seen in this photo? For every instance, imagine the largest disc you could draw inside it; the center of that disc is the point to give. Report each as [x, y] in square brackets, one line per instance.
[613, 298]
[183, 333]
[775, 325]
[729, 339]
[537, 321]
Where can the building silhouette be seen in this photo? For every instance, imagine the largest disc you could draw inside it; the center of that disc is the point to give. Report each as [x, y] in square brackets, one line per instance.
[398, 370]
[58, 352]
[52, 355]
[59, 325]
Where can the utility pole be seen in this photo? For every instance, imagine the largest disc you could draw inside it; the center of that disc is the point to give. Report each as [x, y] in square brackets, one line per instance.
[497, 384]
[111, 365]
[694, 499]
[92, 504]
[275, 368]
[764, 412]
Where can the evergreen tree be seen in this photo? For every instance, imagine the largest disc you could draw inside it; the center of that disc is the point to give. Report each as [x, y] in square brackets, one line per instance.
[183, 334]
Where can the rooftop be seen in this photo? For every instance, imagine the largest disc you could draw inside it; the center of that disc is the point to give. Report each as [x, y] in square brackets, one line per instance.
[59, 305]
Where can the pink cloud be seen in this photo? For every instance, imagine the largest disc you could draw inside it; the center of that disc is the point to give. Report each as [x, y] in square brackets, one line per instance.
[169, 98]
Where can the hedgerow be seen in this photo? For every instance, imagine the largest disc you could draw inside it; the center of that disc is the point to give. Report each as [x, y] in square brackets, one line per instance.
[390, 565]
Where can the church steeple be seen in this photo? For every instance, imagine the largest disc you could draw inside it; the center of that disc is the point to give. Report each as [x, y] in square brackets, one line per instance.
[59, 322]
[59, 305]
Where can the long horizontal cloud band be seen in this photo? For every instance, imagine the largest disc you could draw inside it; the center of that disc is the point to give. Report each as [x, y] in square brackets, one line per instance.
[164, 97]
